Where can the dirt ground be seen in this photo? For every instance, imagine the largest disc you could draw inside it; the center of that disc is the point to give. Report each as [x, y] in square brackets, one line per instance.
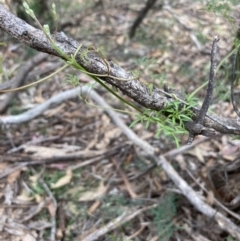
[71, 174]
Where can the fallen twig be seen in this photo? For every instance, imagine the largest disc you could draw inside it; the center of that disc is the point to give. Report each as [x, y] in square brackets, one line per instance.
[94, 155]
[194, 198]
[125, 179]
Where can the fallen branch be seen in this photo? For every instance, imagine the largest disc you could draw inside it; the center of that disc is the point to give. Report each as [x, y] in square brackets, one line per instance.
[195, 199]
[33, 113]
[141, 16]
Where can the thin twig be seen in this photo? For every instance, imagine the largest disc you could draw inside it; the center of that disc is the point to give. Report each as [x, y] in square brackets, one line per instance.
[195, 199]
[125, 179]
[233, 78]
[235, 215]
[140, 17]
[34, 212]
[196, 128]
[125, 217]
[32, 142]
[80, 155]
[211, 83]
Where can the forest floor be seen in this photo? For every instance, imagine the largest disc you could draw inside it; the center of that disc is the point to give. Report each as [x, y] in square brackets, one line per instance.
[92, 183]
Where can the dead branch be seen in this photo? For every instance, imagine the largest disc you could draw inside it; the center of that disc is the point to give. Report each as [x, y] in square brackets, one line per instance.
[195, 199]
[154, 100]
[92, 156]
[31, 114]
[141, 16]
[196, 127]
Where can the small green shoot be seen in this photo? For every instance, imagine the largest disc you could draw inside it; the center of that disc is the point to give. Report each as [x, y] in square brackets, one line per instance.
[29, 11]
[170, 120]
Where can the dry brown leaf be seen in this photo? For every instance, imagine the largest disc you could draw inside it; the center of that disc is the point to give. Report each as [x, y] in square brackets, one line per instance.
[93, 194]
[38, 198]
[25, 197]
[39, 99]
[55, 111]
[34, 178]
[105, 121]
[199, 153]
[229, 152]
[120, 40]
[13, 176]
[63, 180]
[94, 207]
[210, 198]
[108, 136]
[74, 190]
[156, 54]
[60, 233]
[3, 166]
[44, 152]
[51, 209]
[28, 237]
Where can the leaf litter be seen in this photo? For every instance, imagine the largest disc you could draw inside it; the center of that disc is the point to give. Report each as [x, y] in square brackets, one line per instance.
[113, 197]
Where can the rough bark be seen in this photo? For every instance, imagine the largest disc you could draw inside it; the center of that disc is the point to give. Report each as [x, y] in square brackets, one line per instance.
[155, 100]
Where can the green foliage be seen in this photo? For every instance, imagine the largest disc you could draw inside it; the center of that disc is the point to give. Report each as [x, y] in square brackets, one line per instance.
[230, 238]
[163, 216]
[37, 8]
[29, 11]
[72, 79]
[170, 120]
[54, 12]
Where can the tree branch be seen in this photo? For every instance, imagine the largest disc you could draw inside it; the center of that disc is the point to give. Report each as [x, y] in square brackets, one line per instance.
[155, 100]
[197, 127]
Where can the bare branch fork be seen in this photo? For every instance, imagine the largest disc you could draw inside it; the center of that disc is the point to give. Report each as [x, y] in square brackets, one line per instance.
[155, 100]
[196, 127]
